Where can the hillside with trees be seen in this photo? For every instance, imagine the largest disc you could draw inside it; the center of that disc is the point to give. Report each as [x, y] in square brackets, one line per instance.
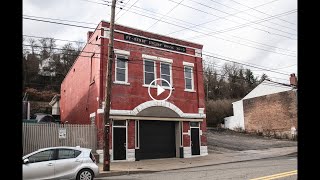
[225, 85]
[45, 66]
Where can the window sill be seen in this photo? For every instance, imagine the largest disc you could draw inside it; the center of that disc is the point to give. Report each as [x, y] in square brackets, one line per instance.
[189, 90]
[166, 87]
[122, 83]
[147, 85]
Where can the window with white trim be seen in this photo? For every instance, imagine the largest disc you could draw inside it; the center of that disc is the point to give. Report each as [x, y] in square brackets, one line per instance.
[165, 73]
[149, 72]
[188, 77]
[121, 68]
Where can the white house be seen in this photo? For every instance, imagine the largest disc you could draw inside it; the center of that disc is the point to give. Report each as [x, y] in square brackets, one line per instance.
[45, 68]
[265, 88]
[55, 103]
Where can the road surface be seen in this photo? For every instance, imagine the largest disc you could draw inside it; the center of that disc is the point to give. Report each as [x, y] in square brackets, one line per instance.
[282, 168]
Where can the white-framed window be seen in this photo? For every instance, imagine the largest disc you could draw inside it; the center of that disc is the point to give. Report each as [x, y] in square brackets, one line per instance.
[166, 73]
[121, 72]
[188, 78]
[149, 71]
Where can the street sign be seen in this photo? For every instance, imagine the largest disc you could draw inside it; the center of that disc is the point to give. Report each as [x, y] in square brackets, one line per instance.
[62, 133]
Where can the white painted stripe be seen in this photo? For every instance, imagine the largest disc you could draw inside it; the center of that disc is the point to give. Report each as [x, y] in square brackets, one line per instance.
[123, 52]
[149, 57]
[154, 118]
[165, 60]
[153, 47]
[188, 64]
[119, 31]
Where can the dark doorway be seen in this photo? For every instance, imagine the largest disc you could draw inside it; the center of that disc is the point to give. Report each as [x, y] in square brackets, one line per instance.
[157, 140]
[119, 143]
[195, 144]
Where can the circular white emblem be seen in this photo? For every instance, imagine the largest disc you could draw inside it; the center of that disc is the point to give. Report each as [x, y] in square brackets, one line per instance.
[160, 89]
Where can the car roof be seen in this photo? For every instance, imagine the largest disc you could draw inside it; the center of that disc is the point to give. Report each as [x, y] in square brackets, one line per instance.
[60, 147]
[66, 147]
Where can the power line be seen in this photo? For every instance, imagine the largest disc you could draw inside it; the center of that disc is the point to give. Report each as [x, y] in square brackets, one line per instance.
[248, 64]
[240, 17]
[59, 48]
[260, 11]
[245, 64]
[165, 14]
[212, 30]
[214, 36]
[123, 6]
[126, 10]
[238, 60]
[281, 67]
[252, 15]
[168, 23]
[249, 24]
[97, 2]
[178, 68]
[58, 19]
[54, 39]
[201, 24]
[58, 23]
[230, 20]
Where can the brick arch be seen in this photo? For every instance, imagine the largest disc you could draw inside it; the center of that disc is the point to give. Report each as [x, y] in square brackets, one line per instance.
[152, 103]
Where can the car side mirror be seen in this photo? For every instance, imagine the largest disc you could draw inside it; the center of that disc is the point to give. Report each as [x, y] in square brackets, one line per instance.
[26, 161]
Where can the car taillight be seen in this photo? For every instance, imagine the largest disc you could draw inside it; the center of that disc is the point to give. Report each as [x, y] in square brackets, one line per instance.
[92, 158]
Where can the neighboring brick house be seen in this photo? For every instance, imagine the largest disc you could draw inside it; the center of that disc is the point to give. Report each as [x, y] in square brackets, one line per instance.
[141, 128]
[269, 108]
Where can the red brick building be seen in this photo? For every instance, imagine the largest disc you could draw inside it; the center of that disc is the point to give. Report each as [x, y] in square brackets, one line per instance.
[141, 128]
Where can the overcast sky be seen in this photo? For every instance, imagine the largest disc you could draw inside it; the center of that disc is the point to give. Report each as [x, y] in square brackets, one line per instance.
[261, 32]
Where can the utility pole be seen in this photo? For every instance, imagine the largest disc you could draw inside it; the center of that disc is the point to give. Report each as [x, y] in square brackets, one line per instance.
[106, 155]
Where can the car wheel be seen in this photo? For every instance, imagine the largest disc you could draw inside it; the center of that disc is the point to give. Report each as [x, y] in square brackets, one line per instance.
[85, 174]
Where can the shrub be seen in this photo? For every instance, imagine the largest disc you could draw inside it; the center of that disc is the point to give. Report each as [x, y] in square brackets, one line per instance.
[217, 110]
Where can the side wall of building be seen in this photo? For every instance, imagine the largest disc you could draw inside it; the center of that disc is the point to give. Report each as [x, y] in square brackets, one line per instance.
[81, 87]
[271, 113]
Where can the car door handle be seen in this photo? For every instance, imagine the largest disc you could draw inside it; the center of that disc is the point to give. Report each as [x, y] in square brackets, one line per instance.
[50, 164]
[78, 160]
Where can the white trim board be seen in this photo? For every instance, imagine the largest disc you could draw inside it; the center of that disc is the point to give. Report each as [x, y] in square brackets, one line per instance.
[154, 118]
[119, 31]
[152, 103]
[119, 40]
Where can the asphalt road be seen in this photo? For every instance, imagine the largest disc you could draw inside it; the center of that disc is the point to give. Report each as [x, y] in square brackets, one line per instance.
[283, 168]
[222, 140]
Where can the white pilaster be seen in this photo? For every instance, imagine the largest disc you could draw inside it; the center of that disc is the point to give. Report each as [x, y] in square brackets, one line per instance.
[131, 155]
[187, 152]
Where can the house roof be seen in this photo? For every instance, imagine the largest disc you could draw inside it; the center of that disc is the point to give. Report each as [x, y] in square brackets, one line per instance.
[268, 87]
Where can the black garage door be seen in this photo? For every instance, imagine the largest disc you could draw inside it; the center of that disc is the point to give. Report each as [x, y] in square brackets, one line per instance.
[157, 140]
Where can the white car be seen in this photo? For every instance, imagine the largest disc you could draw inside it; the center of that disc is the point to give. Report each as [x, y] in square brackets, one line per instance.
[60, 163]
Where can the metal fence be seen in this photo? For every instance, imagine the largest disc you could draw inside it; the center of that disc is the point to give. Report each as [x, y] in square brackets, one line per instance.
[36, 136]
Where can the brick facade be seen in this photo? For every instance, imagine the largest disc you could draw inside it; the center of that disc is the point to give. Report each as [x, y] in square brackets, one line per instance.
[275, 113]
[83, 89]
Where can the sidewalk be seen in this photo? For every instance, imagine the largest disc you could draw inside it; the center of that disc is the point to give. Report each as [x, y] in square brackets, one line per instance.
[154, 165]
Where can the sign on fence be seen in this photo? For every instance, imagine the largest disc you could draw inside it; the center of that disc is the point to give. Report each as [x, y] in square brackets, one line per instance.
[62, 133]
[37, 135]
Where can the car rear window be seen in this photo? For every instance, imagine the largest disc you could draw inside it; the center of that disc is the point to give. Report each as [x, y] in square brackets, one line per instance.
[92, 157]
[68, 153]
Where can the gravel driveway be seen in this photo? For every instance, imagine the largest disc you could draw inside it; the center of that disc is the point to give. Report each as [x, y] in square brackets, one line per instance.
[222, 140]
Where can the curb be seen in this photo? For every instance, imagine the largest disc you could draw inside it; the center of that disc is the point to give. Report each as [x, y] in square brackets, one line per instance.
[119, 173]
[230, 162]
